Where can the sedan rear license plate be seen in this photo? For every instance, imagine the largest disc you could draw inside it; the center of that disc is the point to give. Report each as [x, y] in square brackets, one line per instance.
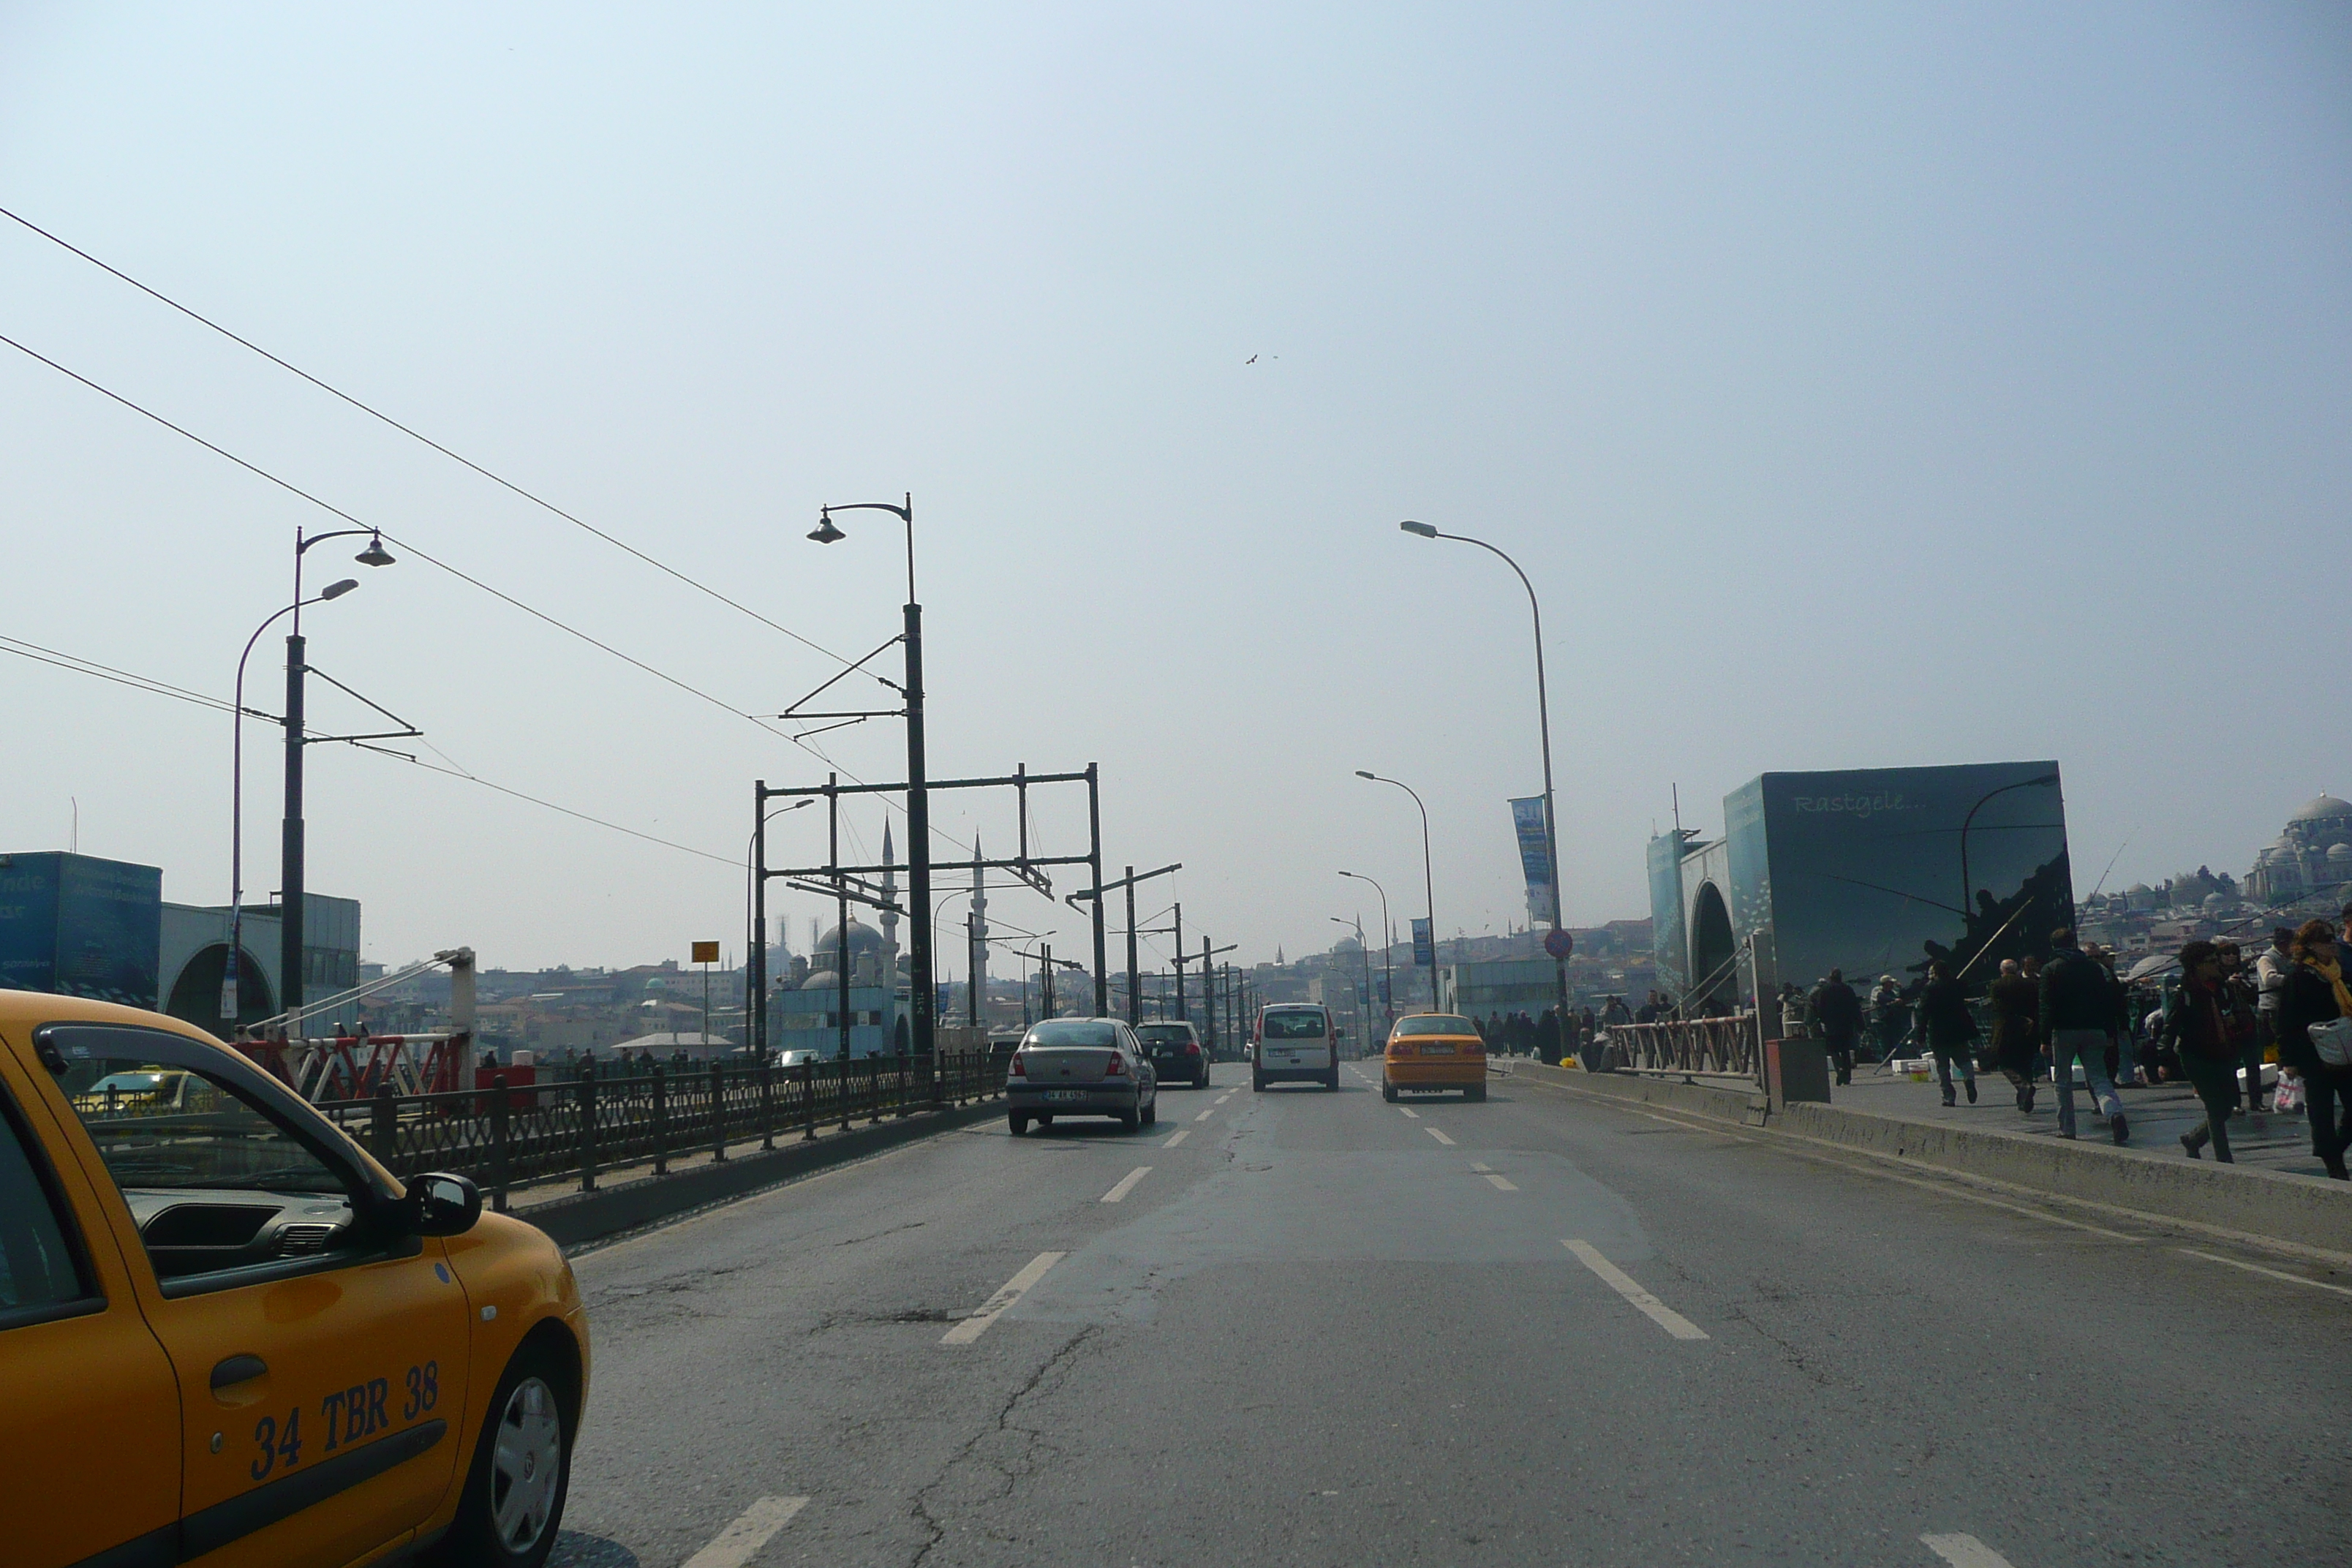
[1065, 1096]
[1437, 1050]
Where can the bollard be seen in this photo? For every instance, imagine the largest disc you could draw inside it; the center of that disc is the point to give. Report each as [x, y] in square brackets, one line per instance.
[499, 1142]
[383, 1121]
[588, 1126]
[718, 1114]
[661, 1122]
[767, 1105]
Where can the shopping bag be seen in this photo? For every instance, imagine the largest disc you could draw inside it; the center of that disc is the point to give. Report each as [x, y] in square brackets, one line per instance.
[2288, 1096]
[2333, 1041]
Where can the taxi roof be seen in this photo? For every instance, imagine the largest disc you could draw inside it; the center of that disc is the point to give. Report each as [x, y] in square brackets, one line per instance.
[29, 1010]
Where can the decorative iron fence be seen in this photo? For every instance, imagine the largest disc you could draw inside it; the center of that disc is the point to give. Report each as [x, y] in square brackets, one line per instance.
[506, 1135]
[1725, 1044]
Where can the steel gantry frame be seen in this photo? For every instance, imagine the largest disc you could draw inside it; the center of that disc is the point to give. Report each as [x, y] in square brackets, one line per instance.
[1094, 895]
[851, 884]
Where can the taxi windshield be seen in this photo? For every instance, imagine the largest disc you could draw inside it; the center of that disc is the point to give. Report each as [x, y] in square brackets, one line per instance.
[1436, 1024]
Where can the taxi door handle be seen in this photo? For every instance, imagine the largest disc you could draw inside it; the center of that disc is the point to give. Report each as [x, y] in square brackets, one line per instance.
[239, 1369]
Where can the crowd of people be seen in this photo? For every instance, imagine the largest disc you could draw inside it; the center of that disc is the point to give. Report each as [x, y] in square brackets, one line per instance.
[2213, 1027]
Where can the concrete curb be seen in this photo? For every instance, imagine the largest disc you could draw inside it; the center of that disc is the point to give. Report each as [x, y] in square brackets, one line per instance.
[2296, 1211]
[584, 1217]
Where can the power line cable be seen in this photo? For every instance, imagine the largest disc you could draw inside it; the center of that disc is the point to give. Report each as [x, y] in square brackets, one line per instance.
[417, 436]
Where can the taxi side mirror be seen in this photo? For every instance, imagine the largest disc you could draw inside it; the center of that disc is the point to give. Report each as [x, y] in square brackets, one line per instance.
[440, 1204]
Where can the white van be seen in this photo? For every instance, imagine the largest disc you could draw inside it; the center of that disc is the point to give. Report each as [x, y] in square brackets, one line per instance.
[1295, 1042]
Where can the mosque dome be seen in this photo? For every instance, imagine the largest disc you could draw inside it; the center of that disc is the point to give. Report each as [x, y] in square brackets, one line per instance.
[862, 938]
[2339, 853]
[2322, 808]
[2216, 901]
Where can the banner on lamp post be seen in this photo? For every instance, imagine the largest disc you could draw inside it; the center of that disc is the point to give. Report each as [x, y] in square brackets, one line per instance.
[1534, 857]
[1424, 946]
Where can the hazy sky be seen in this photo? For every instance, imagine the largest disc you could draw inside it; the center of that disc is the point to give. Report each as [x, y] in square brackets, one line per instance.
[1859, 385]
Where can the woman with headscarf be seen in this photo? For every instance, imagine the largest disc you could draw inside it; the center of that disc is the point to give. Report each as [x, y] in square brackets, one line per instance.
[2315, 993]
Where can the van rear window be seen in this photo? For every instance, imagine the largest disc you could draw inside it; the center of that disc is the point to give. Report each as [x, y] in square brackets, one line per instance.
[1296, 1026]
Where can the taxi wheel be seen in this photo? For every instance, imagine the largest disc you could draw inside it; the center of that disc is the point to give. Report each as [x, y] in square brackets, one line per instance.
[1476, 1093]
[522, 1469]
[1388, 1091]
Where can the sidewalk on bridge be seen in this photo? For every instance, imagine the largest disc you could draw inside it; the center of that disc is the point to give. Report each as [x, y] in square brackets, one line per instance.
[2157, 1115]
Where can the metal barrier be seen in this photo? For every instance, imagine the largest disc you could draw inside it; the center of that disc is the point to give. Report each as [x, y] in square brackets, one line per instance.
[1728, 1046]
[507, 1137]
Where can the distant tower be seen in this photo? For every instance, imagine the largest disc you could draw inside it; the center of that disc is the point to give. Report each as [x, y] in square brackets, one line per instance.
[976, 961]
[889, 917]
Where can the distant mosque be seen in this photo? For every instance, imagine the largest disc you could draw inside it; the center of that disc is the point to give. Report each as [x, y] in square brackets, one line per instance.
[2314, 854]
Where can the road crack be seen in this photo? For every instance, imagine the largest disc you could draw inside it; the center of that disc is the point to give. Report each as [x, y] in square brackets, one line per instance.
[1000, 1455]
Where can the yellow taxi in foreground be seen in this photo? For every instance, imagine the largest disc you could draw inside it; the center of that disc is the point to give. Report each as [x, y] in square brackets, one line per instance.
[1434, 1051]
[228, 1335]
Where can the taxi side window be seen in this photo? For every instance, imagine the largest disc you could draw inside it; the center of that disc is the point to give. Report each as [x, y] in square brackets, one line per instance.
[41, 1272]
[212, 1183]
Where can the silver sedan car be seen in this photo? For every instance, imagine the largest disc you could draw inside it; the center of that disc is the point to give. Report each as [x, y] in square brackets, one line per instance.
[1080, 1066]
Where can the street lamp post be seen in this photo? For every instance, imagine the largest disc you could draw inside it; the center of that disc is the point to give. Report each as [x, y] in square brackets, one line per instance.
[291, 849]
[230, 1005]
[918, 799]
[1364, 1014]
[1388, 940]
[1428, 879]
[1543, 721]
[756, 1027]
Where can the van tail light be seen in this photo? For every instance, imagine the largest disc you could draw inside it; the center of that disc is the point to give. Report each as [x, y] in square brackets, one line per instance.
[1118, 1068]
[1019, 1068]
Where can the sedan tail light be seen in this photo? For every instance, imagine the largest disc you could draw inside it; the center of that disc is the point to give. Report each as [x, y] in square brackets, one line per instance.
[1019, 1068]
[1118, 1068]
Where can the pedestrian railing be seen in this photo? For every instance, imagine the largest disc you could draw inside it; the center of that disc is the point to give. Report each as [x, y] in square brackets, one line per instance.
[1726, 1045]
[509, 1135]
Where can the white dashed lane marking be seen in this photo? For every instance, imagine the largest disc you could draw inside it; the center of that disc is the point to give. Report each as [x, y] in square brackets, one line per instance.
[1502, 1184]
[1964, 1551]
[1011, 1290]
[1206, 1114]
[752, 1530]
[1625, 1285]
[1441, 1137]
[1177, 1139]
[1481, 1167]
[1408, 1111]
[1126, 1184]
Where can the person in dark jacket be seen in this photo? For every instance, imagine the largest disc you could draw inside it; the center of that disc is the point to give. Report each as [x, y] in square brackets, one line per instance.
[2197, 1028]
[2241, 1014]
[2314, 993]
[1890, 1019]
[1948, 1028]
[2016, 1035]
[1837, 1013]
[2078, 1008]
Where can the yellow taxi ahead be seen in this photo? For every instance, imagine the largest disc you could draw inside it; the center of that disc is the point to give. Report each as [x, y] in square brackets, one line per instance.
[1434, 1051]
[228, 1335]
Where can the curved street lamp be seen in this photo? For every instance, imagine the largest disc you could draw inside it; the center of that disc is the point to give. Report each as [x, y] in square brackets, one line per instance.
[1428, 879]
[1388, 942]
[1543, 722]
[229, 976]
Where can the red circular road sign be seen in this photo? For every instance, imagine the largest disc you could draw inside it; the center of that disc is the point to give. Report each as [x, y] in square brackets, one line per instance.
[1558, 944]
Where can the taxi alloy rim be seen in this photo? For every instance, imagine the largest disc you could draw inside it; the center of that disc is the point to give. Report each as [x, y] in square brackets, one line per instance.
[526, 1462]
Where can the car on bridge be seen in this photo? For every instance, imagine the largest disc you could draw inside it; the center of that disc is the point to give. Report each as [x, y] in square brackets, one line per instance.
[1080, 1066]
[1434, 1051]
[227, 1332]
[1295, 1042]
[1175, 1050]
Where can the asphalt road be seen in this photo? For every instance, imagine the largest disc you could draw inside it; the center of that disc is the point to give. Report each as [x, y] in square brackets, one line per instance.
[1319, 1330]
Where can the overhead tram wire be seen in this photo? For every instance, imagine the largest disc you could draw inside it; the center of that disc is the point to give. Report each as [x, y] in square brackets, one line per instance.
[420, 436]
[329, 506]
[153, 688]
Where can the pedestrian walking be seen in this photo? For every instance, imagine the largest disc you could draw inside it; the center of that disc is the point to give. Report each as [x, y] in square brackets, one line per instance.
[2078, 1008]
[1948, 1029]
[1547, 1038]
[2195, 1027]
[2016, 1031]
[2239, 1013]
[2269, 978]
[2315, 993]
[1838, 1012]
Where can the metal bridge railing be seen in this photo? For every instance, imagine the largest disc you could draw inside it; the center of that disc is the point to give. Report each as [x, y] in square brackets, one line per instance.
[1726, 1045]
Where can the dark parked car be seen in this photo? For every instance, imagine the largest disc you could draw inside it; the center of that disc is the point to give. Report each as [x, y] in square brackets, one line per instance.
[1080, 1066]
[1175, 1051]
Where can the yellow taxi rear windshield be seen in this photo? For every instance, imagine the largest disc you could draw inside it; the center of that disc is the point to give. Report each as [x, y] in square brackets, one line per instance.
[1435, 1023]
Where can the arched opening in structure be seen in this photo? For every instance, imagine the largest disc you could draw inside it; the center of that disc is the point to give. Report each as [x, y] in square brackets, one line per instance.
[1715, 978]
[196, 994]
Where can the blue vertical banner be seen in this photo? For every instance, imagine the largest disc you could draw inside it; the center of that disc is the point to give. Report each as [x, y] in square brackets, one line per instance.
[1424, 947]
[1534, 855]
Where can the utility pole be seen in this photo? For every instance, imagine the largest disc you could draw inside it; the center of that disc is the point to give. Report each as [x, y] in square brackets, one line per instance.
[290, 896]
[1134, 993]
[1179, 959]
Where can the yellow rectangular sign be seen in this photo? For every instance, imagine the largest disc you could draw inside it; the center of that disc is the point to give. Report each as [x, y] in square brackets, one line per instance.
[706, 953]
